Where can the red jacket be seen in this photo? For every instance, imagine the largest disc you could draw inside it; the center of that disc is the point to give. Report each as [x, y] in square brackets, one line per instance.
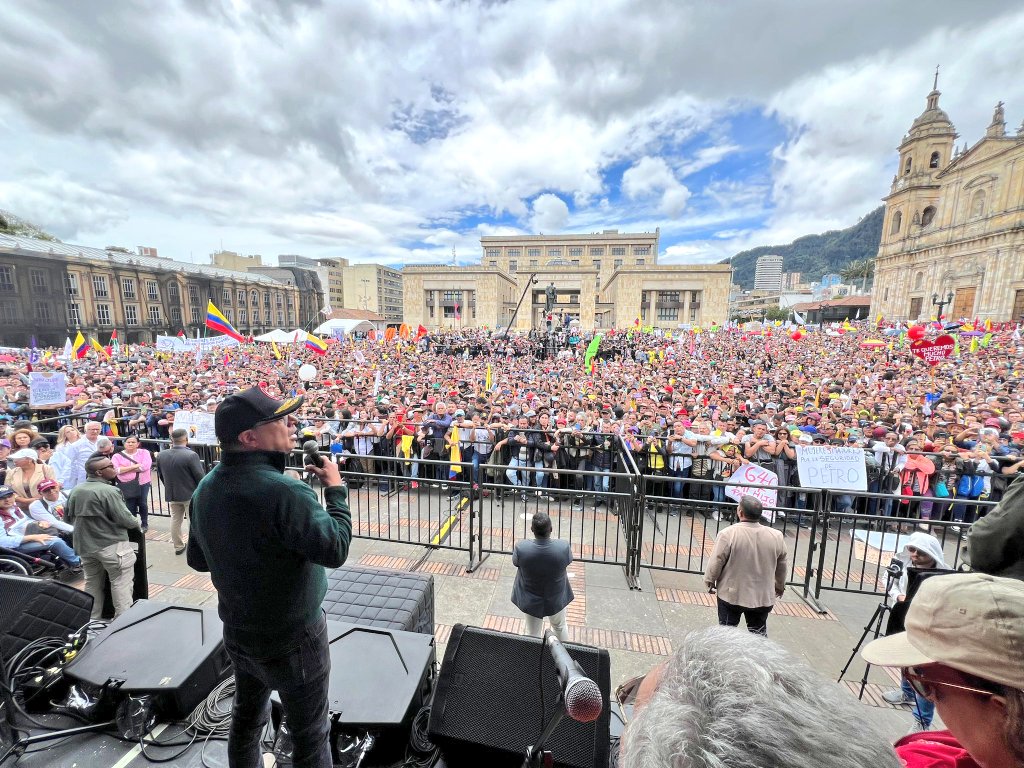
[933, 749]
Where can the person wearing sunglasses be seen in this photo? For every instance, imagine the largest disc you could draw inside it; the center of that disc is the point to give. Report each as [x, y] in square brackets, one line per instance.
[963, 650]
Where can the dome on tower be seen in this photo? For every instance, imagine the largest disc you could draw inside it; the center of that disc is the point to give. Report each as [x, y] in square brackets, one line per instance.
[933, 120]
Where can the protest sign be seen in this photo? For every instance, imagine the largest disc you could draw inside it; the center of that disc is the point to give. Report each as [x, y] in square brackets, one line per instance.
[199, 425]
[764, 481]
[933, 352]
[831, 467]
[179, 344]
[47, 389]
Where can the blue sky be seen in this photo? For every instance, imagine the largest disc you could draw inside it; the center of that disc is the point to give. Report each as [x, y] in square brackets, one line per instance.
[395, 132]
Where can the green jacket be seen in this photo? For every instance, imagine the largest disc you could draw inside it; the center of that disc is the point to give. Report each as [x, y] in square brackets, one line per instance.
[995, 544]
[98, 512]
[265, 540]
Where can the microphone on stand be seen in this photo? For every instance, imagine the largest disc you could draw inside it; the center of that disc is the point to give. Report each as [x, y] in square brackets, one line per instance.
[582, 696]
[311, 453]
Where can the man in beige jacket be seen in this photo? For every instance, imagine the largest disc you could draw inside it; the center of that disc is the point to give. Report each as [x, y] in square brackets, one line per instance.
[747, 569]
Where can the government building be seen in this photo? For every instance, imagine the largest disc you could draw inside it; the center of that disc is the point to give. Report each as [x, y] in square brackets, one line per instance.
[603, 280]
[954, 224]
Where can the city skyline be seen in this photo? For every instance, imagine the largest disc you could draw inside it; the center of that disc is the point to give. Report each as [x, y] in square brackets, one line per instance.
[394, 134]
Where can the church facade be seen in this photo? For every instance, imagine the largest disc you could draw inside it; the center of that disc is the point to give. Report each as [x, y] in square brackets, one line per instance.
[954, 224]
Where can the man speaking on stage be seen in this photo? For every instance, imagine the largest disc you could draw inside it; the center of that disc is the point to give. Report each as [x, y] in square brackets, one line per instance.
[265, 539]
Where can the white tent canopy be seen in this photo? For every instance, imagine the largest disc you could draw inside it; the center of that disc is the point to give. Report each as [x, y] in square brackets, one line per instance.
[348, 326]
[281, 337]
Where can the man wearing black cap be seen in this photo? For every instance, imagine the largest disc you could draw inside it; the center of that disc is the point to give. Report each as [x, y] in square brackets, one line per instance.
[265, 540]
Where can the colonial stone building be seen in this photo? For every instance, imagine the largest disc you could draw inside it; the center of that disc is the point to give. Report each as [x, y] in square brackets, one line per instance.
[954, 224]
[50, 290]
[604, 280]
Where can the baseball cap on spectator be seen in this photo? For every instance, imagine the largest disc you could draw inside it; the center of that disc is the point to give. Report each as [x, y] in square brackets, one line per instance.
[47, 485]
[992, 423]
[530, 414]
[248, 409]
[5, 443]
[879, 432]
[5, 491]
[25, 453]
[805, 438]
[459, 412]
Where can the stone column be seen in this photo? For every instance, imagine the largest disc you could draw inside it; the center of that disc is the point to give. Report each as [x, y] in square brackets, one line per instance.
[685, 314]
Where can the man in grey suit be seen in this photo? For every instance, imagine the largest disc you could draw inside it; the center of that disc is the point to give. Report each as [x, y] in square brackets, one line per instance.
[180, 470]
[747, 569]
[541, 587]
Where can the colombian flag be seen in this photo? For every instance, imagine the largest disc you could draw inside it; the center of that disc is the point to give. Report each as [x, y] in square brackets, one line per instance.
[317, 345]
[216, 321]
[98, 347]
[80, 348]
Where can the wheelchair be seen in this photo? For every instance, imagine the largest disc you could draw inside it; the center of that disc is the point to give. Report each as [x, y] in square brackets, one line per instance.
[24, 564]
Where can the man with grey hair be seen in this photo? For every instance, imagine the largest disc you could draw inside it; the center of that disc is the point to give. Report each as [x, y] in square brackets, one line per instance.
[726, 699]
[180, 470]
[747, 569]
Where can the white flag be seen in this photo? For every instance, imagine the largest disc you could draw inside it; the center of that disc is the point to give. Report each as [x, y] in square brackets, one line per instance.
[68, 349]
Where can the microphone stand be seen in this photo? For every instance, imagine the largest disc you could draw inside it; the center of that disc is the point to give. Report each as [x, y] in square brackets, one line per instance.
[536, 755]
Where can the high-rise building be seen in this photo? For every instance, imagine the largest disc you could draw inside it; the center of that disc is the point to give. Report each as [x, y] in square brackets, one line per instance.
[375, 288]
[768, 273]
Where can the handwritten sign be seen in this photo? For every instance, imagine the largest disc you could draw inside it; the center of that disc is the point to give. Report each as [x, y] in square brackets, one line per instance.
[764, 481]
[199, 425]
[933, 352]
[47, 389]
[831, 467]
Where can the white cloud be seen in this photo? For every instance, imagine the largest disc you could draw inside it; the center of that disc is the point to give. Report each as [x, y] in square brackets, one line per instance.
[652, 176]
[549, 214]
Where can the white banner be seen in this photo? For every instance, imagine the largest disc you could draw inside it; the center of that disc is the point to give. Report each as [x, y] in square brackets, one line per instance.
[178, 344]
[756, 475]
[47, 389]
[831, 467]
[199, 425]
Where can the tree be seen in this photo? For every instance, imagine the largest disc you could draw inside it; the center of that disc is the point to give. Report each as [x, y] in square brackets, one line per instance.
[861, 269]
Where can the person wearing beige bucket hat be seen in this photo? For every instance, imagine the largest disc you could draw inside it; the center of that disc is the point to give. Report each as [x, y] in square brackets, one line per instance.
[963, 649]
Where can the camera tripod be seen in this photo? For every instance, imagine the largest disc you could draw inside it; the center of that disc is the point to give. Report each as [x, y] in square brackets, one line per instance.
[874, 625]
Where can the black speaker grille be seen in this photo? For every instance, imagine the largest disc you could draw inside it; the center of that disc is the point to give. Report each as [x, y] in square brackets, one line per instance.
[32, 608]
[497, 690]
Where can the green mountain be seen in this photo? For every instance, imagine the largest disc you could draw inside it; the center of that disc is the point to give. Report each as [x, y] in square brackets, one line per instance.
[816, 255]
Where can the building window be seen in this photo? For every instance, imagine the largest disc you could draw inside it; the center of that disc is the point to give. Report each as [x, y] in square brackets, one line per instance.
[907, 165]
[266, 301]
[255, 317]
[596, 250]
[617, 263]
[131, 314]
[128, 288]
[71, 283]
[43, 313]
[669, 297]
[492, 263]
[99, 287]
[195, 316]
[513, 266]
[897, 222]
[152, 290]
[174, 293]
[154, 315]
[291, 305]
[243, 316]
[7, 279]
[533, 253]
[291, 318]
[176, 315]
[493, 252]
[933, 161]
[103, 313]
[451, 296]
[254, 298]
[641, 250]
[575, 251]
[575, 262]
[280, 317]
[668, 313]
[513, 253]
[927, 215]
[555, 252]
[919, 281]
[193, 293]
[9, 313]
[618, 250]
[695, 297]
[74, 314]
[279, 301]
[37, 280]
[533, 262]
[597, 264]
[230, 315]
[225, 296]
[241, 297]
[640, 262]
[885, 295]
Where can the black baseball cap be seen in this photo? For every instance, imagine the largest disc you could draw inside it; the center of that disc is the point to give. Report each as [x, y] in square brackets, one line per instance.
[248, 409]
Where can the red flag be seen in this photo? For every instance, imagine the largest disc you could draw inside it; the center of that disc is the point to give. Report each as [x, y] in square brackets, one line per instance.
[420, 332]
[372, 335]
[181, 334]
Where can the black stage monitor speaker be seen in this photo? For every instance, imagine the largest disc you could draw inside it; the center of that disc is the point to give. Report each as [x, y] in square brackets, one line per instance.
[32, 608]
[496, 692]
[174, 652]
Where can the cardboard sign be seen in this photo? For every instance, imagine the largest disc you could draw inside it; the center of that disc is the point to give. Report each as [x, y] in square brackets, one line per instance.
[199, 425]
[831, 467]
[756, 475]
[47, 389]
[933, 352]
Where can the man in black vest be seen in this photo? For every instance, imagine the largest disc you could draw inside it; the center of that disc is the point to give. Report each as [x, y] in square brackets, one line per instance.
[180, 470]
[541, 587]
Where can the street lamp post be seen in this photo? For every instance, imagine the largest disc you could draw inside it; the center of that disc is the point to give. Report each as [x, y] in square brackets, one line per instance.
[941, 304]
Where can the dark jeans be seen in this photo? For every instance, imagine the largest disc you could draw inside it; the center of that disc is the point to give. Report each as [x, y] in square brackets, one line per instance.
[299, 672]
[139, 505]
[757, 618]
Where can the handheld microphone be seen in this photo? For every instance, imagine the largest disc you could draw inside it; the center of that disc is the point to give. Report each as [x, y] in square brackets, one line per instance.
[582, 696]
[311, 453]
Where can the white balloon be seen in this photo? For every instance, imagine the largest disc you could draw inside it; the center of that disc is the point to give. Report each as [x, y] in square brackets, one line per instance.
[307, 372]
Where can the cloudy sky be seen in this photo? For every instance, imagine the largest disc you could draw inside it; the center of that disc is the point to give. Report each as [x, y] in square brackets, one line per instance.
[393, 130]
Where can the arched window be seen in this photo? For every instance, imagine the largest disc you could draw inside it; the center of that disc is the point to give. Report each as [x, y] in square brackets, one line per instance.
[897, 222]
[978, 204]
[918, 281]
[933, 162]
[927, 215]
[906, 165]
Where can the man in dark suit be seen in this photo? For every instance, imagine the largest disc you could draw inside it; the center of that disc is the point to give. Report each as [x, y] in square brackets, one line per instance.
[541, 587]
[180, 470]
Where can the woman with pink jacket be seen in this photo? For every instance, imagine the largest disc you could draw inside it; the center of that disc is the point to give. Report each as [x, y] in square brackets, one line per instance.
[133, 466]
